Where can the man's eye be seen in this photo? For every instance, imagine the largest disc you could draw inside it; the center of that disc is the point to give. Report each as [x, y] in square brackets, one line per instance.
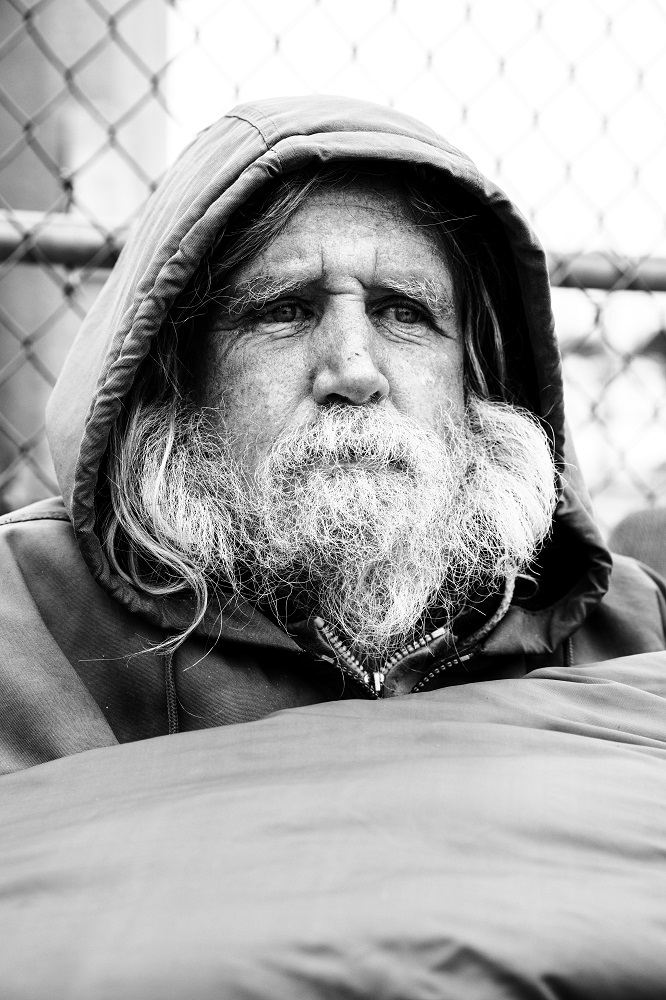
[282, 312]
[403, 313]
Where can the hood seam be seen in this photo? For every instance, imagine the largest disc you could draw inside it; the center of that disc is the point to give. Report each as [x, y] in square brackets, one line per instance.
[269, 144]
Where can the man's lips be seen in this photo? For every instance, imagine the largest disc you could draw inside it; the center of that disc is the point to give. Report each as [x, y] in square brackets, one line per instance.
[357, 460]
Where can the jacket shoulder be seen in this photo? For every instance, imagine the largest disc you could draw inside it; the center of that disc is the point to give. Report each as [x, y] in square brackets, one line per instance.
[47, 711]
[51, 509]
[630, 619]
[632, 577]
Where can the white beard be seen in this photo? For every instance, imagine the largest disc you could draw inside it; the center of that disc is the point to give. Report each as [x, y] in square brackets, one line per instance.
[377, 518]
[381, 519]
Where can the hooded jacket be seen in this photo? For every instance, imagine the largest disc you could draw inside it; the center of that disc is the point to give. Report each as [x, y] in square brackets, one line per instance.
[77, 669]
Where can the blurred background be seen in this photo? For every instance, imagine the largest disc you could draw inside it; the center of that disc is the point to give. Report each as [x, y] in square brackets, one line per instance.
[561, 102]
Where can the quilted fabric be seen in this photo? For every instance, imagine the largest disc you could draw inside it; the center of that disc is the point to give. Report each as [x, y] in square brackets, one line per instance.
[499, 839]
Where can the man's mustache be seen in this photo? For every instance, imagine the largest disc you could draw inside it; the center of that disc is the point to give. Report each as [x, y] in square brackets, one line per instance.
[352, 436]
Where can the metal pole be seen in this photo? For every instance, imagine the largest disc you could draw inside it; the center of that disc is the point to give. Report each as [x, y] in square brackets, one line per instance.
[36, 238]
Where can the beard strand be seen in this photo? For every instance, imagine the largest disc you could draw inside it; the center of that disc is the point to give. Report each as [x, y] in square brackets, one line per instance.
[375, 518]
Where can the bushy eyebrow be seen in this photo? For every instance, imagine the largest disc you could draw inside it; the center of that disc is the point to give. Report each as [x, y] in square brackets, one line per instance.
[439, 300]
[255, 293]
[262, 289]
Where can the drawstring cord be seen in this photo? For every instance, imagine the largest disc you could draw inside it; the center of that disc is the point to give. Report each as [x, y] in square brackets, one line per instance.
[568, 653]
[171, 696]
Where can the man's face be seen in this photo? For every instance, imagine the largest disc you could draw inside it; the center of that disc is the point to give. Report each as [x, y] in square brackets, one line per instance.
[337, 457]
[351, 304]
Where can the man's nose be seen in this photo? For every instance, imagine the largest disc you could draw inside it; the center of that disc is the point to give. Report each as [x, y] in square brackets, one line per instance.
[347, 368]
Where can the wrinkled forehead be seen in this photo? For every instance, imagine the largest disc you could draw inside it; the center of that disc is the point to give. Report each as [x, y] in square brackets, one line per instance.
[337, 217]
[383, 189]
[339, 225]
[382, 209]
[382, 193]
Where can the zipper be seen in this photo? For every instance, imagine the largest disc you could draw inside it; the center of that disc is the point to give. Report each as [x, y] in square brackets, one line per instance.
[411, 647]
[441, 668]
[349, 663]
[373, 680]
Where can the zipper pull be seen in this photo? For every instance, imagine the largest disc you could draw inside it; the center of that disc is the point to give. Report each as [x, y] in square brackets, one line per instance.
[378, 678]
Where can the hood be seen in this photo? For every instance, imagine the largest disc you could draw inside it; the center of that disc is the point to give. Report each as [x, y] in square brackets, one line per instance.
[226, 164]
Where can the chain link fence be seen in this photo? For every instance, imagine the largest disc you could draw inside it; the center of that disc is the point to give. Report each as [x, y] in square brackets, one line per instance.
[562, 102]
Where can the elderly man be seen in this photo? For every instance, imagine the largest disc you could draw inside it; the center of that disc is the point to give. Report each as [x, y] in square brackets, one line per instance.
[311, 446]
